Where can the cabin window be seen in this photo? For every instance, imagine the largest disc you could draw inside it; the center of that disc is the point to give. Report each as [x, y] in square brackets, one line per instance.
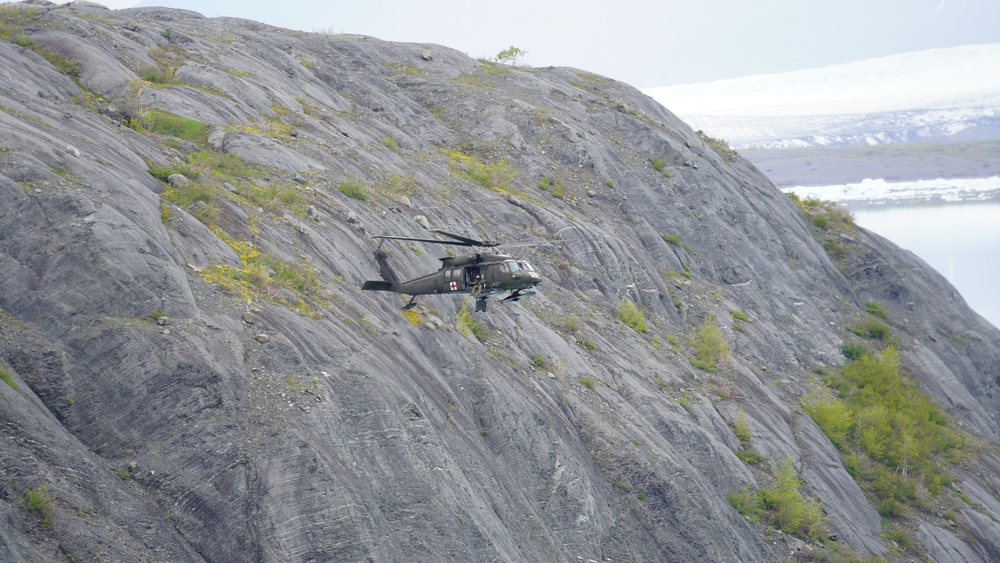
[526, 266]
[514, 266]
[503, 268]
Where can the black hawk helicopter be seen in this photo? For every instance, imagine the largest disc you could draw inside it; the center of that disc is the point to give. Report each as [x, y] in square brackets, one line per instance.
[481, 274]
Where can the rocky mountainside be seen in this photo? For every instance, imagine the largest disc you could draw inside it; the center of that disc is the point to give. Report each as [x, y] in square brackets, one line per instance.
[191, 371]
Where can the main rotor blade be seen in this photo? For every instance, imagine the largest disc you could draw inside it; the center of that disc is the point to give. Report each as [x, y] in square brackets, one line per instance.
[539, 243]
[434, 241]
[466, 241]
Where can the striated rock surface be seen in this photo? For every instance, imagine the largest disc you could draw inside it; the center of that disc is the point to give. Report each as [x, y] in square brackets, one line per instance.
[282, 414]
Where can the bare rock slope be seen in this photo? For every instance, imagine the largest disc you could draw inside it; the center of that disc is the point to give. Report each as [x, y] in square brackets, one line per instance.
[192, 372]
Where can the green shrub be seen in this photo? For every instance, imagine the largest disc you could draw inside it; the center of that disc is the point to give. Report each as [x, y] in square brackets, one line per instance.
[572, 324]
[390, 143]
[959, 340]
[7, 377]
[709, 345]
[835, 249]
[496, 176]
[157, 74]
[830, 414]
[893, 438]
[588, 382]
[749, 457]
[184, 197]
[510, 55]
[353, 189]
[745, 502]
[161, 173]
[631, 316]
[871, 328]
[739, 315]
[40, 501]
[742, 431]
[273, 198]
[675, 240]
[467, 325]
[839, 215]
[552, 185]
[259, 273]
[228, 166]
[718, 145]
[741, 428]
[853, 350]
[875, 309]
[538, 360]
[588, 345]
[790, 512]
[781, 505]
[902, 536]
[11, 19]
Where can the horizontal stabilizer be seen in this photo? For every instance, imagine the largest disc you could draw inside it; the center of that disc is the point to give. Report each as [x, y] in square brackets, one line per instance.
[373, 285]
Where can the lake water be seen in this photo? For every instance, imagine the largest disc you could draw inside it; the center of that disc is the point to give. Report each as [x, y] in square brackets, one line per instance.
[957, 232]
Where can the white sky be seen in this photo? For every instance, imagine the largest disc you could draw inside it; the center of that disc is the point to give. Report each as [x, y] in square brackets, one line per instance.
[645, 43]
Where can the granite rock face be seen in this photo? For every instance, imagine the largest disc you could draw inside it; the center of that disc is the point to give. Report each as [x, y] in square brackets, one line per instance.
[282, 414]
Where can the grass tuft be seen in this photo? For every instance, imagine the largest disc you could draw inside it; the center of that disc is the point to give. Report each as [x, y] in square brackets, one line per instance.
[164, 123]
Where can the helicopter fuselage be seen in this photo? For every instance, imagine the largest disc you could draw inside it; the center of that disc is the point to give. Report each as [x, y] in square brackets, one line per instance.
[480, 273]
[483, 275]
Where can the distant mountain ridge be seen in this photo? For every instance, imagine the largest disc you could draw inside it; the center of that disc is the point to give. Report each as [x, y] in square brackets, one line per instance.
[938, 94]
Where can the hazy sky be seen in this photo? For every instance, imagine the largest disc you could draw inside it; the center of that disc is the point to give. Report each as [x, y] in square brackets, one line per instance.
[642, 42]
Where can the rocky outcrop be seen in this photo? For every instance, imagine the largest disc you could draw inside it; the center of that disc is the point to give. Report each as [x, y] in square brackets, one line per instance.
[282, 414]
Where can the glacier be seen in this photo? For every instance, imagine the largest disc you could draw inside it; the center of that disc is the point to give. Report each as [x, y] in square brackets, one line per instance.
[937, 94]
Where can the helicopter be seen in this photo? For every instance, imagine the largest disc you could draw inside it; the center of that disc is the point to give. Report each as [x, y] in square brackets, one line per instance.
[483, 275]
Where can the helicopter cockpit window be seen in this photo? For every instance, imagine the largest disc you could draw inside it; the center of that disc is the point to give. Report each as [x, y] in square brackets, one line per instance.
[514, 266]
[503, 268]
[526, 266]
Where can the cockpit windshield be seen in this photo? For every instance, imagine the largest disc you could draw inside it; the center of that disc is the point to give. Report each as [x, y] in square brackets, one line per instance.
[518, 266]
